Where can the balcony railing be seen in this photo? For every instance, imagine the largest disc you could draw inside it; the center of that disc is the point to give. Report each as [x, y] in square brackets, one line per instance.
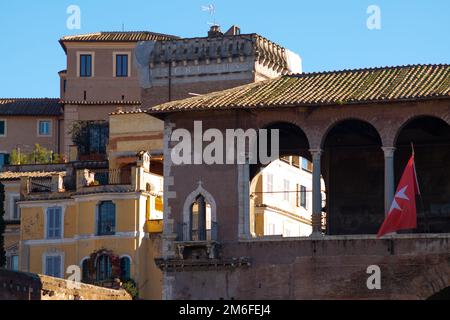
[112, 177]
[40, 185]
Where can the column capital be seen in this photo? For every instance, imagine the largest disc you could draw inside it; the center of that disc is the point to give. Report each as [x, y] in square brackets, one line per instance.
[316, 153]
[388, 151]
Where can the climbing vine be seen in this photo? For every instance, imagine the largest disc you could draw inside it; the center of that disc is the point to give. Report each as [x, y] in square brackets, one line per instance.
[116, 273]
[92, 261]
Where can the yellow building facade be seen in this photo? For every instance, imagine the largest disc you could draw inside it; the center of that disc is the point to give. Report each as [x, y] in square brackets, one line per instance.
[105, 230]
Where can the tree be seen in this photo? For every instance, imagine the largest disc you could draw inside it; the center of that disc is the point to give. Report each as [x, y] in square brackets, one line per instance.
[39, 155]
[2, 227]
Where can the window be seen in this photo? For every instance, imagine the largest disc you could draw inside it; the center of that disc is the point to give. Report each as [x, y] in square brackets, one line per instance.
[125, 268]
[53, 266]
[122, 65]
[91, 137]
[303, 197]
[12, 262]
[104, 268]
[307, 165]
[44, 128]
[201, 223]
[85, 65]
[287, 233]
[106, 218]
[269, 182]
[2, 128]
[4, 159]
[296, 161]
[15, 214]
[98, 138]
[286, 187]
[54, 223]
[286, 159]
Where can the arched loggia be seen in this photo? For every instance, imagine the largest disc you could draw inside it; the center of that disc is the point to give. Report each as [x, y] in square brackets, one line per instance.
[430, 137]
[280, 192]
[353, 169]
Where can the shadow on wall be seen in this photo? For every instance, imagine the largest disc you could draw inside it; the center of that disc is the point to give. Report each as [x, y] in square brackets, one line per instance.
[28, 286]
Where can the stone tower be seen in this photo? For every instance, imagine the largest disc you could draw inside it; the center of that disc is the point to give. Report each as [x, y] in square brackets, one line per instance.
[181, 68]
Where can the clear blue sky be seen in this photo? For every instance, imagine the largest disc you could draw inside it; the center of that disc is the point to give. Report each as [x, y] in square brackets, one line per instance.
[328, 34]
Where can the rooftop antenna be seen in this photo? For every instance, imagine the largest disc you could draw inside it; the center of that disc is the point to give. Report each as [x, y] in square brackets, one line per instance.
[211, 8]
[123, 27]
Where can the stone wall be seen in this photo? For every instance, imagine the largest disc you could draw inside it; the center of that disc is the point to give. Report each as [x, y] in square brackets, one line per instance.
[28, 286]
[335, 268]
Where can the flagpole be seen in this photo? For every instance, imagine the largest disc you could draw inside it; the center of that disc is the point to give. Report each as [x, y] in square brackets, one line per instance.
[418, 189]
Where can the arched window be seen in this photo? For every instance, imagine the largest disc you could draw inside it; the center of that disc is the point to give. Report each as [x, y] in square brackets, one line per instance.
[125, 268]
[104, 268]
[200, 220]
[199, 216]
[106, 218]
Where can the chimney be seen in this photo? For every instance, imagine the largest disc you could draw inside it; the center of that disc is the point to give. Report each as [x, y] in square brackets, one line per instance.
[233, 31]
[214, 31]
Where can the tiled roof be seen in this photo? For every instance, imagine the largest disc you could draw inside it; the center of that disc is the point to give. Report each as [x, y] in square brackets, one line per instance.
[123, 112]
[30, 107]
[116, 36]
[9, 175]
[386, 84]
[102, 102]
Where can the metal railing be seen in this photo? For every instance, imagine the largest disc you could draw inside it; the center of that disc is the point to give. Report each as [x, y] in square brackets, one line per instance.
[40, 185]
[113, 177]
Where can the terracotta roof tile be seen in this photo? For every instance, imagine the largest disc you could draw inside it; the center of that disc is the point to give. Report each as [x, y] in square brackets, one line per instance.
[102, 102]
[327, 88]
[116, 36]
[30, 107]
[9, 175]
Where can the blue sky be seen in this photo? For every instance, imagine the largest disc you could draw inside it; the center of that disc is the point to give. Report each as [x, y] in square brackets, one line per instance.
[328, 34]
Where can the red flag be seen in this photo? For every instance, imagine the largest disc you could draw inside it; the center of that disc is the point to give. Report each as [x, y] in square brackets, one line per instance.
[403, 214]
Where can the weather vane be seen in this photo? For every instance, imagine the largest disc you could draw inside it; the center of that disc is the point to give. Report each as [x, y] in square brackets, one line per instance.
[211, 8]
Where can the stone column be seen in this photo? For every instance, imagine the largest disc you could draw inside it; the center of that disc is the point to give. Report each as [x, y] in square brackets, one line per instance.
[316, 218]
[388, 177]
[246, 223]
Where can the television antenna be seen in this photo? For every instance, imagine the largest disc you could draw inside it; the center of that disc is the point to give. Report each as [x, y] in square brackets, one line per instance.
[211, 8]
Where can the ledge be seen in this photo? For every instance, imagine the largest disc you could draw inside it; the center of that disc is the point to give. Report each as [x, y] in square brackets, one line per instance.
[181, 264]
[349, 237]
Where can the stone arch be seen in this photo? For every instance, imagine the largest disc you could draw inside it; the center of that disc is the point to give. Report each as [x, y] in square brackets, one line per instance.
[291, 119]
[190, 199]
[431, 138]
[353, 171]
[282, 178]
[293, 141]
[412, 118]
[338, 120]
[433, 280]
